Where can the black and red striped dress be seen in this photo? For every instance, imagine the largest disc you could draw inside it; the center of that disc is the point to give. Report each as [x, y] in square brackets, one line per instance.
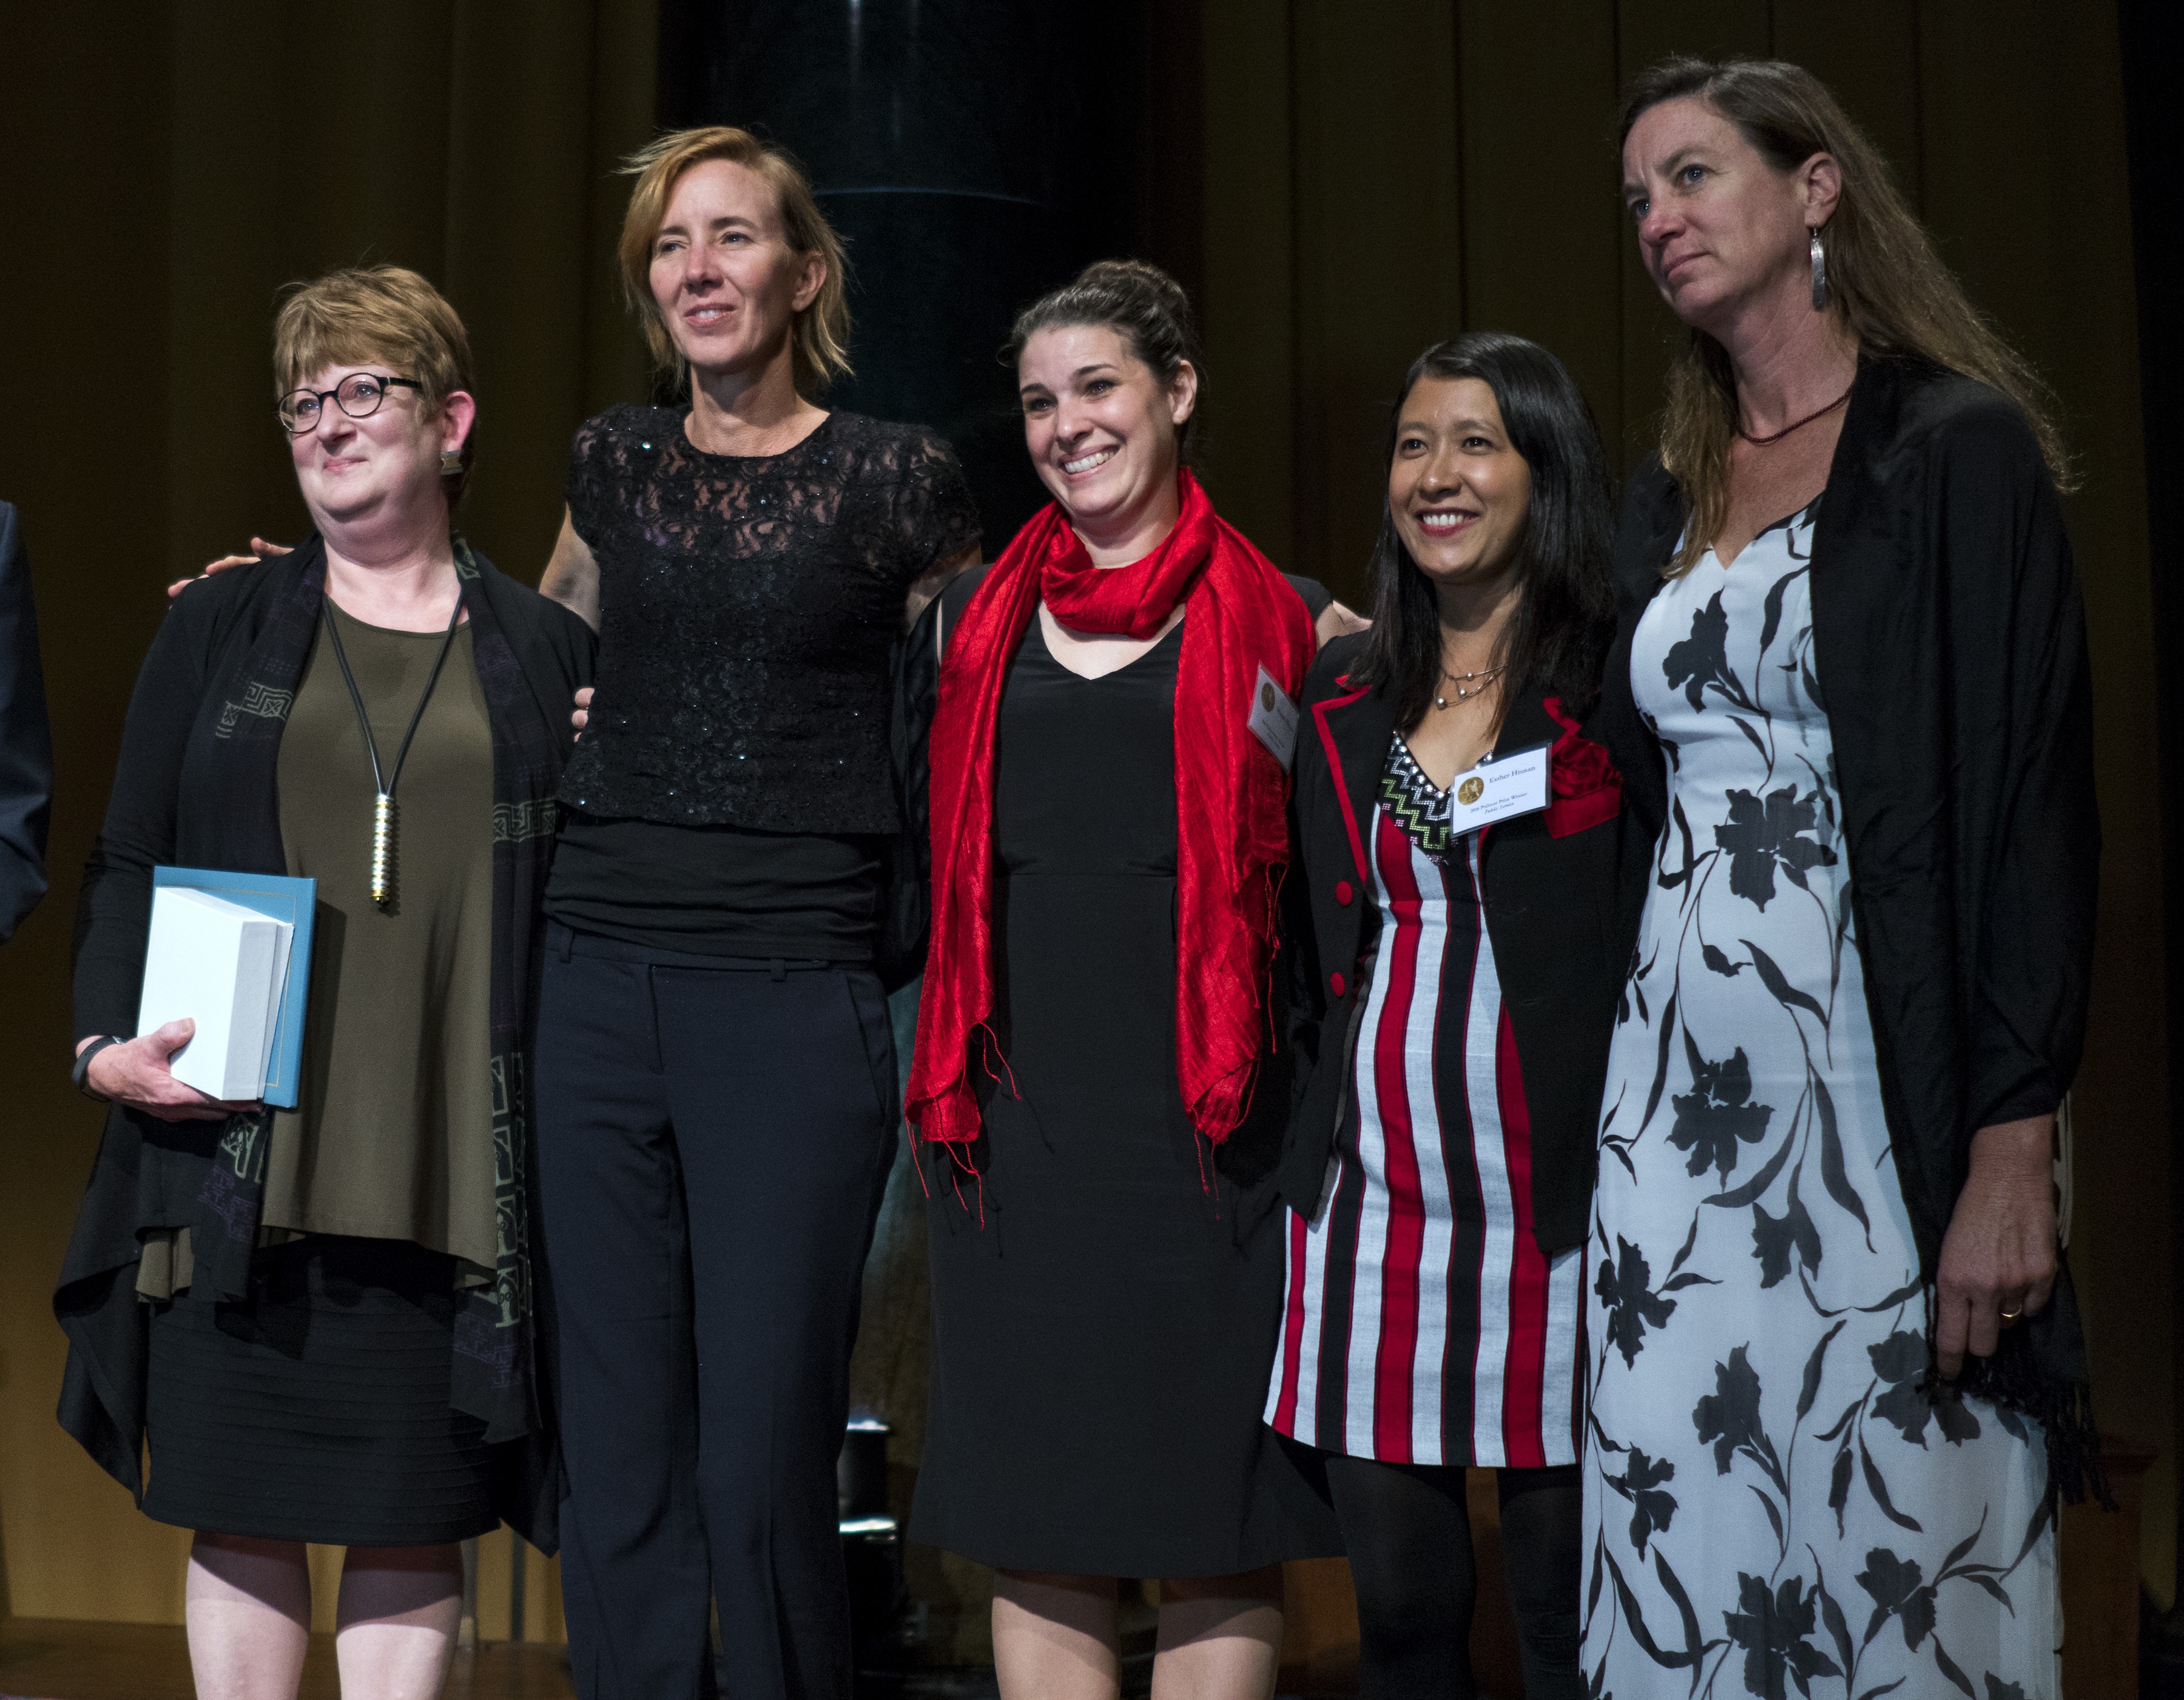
[1423, 1323]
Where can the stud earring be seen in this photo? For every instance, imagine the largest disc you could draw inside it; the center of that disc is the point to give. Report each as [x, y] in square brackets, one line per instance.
[1820, 272]
[451, 459]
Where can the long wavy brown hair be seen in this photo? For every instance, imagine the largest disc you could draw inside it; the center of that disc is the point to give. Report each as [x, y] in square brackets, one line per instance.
[1887, 284]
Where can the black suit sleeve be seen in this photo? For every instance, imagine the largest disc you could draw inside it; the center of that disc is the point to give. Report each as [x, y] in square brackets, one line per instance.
[114, 914]
[26, 753]
[2021, 659]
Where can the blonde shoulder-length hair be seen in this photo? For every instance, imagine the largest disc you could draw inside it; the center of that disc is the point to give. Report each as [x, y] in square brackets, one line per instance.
[821, 337]
[1887, 284]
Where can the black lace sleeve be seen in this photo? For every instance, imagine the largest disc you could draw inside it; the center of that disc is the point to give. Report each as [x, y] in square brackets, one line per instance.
[934, 516]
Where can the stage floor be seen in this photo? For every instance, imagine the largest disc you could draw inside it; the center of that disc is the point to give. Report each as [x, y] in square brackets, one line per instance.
[59, 1659]
[53, 1659]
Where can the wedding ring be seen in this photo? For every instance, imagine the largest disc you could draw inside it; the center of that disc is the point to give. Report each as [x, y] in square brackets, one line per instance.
[2011, 1316]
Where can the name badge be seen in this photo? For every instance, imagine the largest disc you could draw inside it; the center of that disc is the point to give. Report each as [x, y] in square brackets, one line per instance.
[1275, 719]
[1497, 789]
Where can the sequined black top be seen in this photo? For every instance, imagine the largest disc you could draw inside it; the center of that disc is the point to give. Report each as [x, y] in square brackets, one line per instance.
[747, 607]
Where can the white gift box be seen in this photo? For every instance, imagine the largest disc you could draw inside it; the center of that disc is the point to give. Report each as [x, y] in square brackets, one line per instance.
[224, 967]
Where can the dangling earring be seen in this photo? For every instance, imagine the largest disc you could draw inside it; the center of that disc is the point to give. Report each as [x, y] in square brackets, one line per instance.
[1820, 272]
[451, 459]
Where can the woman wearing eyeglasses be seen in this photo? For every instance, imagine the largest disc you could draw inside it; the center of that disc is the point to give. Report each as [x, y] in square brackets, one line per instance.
[321, 1320]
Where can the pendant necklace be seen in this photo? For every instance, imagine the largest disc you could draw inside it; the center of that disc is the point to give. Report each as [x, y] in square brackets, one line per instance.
[1485, 676]
[383, 785]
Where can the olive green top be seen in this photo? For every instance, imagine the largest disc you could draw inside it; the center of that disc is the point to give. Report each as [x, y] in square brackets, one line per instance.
[393, 1134]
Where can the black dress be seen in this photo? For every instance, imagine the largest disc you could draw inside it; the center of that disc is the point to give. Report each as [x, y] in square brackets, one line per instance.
[1107, 1294]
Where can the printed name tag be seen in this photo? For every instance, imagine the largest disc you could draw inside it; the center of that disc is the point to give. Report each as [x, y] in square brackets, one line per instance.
[1499, 787]
[1275, 719]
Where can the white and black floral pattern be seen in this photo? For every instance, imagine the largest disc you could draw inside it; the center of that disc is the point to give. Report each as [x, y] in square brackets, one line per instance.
[1774, 1501]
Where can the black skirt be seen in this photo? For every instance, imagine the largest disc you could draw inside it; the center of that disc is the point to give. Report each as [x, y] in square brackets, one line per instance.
[1107, 1296]
[317, 1409]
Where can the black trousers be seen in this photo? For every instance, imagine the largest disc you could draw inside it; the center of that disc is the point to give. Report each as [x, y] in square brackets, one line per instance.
[714, 1137]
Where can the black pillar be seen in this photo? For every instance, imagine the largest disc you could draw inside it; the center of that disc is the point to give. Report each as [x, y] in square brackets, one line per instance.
[2152, 61]
[974, 153]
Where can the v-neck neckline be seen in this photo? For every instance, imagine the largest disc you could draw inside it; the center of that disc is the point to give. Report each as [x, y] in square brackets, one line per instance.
[1038, 625]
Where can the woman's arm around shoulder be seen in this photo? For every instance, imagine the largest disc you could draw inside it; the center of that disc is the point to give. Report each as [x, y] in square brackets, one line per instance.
[936, 626]
[572, 577]
[601, 464]
[1331, 667]
[556, 651]
[932, 515]
[574, 640]
[1330, 617]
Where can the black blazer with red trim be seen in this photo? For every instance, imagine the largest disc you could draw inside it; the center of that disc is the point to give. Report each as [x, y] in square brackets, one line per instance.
[1563, 893]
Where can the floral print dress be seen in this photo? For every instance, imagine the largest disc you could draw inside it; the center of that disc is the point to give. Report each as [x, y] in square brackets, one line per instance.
[1772, 1501]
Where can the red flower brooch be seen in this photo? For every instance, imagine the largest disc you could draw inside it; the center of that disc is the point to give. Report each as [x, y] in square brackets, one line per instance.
[1588, 789]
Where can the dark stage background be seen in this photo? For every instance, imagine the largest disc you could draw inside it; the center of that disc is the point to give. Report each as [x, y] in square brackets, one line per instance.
[1338, 183]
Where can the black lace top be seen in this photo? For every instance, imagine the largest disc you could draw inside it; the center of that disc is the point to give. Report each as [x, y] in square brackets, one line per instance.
[747, 607]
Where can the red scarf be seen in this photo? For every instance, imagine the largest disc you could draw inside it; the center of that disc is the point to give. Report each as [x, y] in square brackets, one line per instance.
[1232, 828]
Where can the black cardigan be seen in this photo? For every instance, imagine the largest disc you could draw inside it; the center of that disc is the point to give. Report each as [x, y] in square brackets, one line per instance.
[1560, 913]
[1950, 638]
[174, 714]
[177, 799]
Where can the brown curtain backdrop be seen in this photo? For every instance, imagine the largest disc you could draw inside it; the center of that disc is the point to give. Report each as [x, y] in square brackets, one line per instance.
[169, 167]
[1377, 177]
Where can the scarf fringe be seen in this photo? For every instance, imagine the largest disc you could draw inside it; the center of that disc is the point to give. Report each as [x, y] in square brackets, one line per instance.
[1223, 1106]
[964, 1129]
[2012, 1379]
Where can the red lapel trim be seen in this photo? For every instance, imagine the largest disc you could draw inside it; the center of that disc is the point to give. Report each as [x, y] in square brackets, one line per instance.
[1341, 785]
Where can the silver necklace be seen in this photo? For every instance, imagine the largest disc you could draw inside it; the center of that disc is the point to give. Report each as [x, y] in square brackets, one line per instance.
[1485, 676]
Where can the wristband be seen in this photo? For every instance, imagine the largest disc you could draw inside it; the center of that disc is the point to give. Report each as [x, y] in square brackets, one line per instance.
[82, 1073]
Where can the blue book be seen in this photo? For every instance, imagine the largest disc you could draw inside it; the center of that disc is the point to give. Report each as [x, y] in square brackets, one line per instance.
[283, 899]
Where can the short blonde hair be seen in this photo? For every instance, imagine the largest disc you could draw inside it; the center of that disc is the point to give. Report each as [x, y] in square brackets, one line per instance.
[362, 314]
[821, 337]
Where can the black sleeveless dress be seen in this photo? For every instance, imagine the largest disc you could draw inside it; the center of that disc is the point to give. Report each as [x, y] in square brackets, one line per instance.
[1101, 1339]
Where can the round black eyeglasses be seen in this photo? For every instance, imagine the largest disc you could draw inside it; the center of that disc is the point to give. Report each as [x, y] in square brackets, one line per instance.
[359, 396]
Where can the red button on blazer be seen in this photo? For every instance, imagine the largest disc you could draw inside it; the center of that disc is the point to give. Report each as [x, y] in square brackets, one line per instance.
[1342, 892]
[1335, 981]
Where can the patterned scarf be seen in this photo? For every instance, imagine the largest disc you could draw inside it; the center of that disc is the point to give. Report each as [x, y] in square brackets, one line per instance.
[1232, 831]
[494, 1360]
